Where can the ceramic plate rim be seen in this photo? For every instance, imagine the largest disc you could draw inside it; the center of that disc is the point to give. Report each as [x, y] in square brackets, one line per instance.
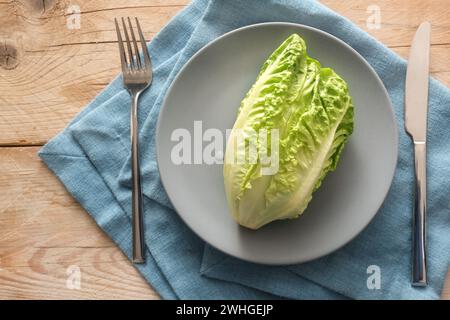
[393, 119]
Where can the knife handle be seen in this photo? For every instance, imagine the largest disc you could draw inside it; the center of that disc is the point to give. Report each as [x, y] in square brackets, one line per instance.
[419, 264]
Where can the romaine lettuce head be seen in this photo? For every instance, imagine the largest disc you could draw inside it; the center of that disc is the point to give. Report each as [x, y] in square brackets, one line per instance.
[312, 112]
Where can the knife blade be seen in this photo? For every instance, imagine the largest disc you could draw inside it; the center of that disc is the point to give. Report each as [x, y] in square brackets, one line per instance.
[416, 89]
[416, 109]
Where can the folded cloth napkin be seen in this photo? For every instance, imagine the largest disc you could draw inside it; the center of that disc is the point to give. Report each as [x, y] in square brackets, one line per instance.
[91, 158]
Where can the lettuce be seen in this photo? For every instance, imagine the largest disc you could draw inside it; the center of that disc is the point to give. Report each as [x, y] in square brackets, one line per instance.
[306, 114]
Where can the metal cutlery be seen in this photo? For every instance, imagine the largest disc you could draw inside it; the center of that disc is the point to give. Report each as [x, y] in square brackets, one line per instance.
[137, 76]
[416, 108]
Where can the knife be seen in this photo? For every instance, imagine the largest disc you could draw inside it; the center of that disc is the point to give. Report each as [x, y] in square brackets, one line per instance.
[416, 108]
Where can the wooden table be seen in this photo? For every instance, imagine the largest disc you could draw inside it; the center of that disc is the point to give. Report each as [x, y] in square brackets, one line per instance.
[48, 73]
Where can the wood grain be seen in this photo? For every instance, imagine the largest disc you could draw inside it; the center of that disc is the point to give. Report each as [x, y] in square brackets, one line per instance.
[57, 71]
[44, 232]
[48, 73]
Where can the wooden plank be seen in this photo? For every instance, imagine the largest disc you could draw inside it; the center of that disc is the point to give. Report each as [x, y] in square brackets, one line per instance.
[57, 71]
[44, 232]
[47, 74]
[399, 18]
[399, 21]
[104, 274]
[54, 71]
[446, 290]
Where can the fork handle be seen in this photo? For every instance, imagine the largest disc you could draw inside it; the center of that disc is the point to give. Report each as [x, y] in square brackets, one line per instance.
[419, 265]
[137, 206]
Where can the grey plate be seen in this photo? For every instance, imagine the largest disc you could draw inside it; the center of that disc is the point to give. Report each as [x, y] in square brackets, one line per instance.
[210, 88]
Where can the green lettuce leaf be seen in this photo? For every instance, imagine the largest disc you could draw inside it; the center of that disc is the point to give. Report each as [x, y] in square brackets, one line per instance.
[311, 110]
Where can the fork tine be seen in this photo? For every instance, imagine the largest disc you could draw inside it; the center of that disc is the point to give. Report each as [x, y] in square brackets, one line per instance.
[136, 50]
[127, 38]
[146, 55]
[123, 59]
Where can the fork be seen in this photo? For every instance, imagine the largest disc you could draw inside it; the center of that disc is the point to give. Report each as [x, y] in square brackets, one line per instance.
[137, 76]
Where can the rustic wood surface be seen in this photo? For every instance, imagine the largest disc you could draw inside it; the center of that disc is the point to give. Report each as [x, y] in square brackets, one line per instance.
[47, 74]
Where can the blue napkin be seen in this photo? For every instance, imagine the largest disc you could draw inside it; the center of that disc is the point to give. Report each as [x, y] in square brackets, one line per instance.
[91, 158]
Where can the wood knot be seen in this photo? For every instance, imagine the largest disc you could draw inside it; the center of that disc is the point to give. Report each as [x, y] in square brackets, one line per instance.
[42, 6]
[9, 56]
[37, 8]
